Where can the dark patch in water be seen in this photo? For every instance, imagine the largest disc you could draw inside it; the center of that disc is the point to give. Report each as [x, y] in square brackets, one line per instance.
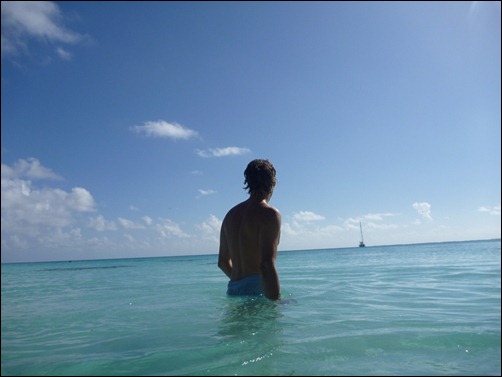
[81, 268]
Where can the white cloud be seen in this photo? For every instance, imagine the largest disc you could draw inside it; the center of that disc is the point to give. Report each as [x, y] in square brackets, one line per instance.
[304, 231]
[148, 220]
[23, 21]
[288, 229]
[128, 224]
[162, 128]
[29, 168]
[206, 192]
[168, 228]
[63, 54]
[307, 216]
[377, 216]
[49, 220]
[79, 199]
[424, 209]
[222, 152]
[100, 224]
[494, 211]
[369, 221]
[211, 228]
[24, 204]
[29, 211]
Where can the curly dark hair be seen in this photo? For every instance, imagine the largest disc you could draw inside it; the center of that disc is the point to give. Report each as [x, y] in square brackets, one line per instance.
[260, 176]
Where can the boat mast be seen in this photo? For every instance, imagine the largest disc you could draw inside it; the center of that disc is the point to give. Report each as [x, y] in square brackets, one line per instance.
[361, 244]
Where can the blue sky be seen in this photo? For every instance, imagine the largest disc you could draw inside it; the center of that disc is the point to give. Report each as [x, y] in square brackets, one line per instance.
[126, 126]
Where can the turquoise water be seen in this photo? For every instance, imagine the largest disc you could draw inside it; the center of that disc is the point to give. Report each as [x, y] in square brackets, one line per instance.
[429, 309]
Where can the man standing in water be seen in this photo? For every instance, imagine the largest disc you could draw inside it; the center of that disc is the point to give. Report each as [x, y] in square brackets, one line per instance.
[249, 237]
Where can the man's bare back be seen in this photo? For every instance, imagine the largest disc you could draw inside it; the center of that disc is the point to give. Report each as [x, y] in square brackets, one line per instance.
[249, 238]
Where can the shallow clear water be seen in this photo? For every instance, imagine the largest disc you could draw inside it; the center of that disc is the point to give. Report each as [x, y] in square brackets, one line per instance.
[430, 309]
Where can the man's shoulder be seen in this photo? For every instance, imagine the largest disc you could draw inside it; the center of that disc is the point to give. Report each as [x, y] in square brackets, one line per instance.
[268, 207]
[271, 213]
[237, 207]
[234, 210]
[274, 210]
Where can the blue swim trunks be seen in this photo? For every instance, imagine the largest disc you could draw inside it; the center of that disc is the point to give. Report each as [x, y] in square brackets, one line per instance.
[250, 285]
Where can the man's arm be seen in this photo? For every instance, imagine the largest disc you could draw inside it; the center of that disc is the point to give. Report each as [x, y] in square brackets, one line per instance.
[269, 235]
[224, 260]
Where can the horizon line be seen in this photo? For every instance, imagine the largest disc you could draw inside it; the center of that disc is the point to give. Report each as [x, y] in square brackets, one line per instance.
[279, 251]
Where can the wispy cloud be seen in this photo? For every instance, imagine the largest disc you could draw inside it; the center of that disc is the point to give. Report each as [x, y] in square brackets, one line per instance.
[168, 228]
[63, 54]
[495, 211]
[162, 128]
[222, 152]
[206, 192]
[307, 216]
[370, 221]
[128, 224]
[100, 224]
[211, 228]
[30, 169]
[377, 216]
[300, 231]
[24, 21]
[424, 209]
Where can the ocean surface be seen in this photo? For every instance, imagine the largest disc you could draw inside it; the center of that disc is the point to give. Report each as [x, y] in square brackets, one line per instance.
[408, 310]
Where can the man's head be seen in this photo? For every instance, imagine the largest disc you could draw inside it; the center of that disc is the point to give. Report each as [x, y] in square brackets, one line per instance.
[260, 177]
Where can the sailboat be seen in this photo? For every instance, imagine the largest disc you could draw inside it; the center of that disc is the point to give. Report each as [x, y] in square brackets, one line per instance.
[361, 243]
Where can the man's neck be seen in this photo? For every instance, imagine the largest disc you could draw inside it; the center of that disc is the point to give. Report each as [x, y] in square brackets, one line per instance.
[259, 197]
